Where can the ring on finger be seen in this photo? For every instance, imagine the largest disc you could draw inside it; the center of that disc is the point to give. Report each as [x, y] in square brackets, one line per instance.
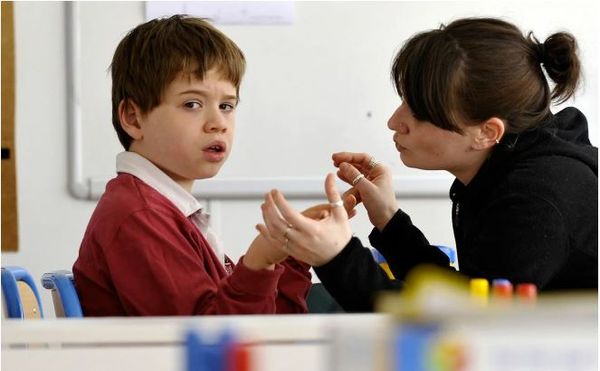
[357, 179]
[287, 230]
[373, 163]
[335, 204]
[286, 244]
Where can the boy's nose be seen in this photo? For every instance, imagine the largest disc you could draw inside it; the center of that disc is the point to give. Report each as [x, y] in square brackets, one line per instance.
[215, 123]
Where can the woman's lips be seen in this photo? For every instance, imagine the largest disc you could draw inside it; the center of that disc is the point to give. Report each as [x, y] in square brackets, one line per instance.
[399, 147]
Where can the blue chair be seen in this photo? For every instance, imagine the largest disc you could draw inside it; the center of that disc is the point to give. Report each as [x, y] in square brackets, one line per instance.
[64, 295]
[20, 294]
[451, 253]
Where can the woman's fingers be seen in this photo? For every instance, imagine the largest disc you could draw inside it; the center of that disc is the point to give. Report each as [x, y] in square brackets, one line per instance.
[350, 203]
[334, 197]
[353, 177]
[288, 212]
[361, 159]
[347, 175]
[363, 162]
[278, 227]
[351, 198]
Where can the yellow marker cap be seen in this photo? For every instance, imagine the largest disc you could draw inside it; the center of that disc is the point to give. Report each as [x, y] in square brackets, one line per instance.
[480, 289]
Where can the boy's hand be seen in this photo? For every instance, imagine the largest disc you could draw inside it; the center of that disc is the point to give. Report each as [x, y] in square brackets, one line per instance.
[264, 253]
[317, 212]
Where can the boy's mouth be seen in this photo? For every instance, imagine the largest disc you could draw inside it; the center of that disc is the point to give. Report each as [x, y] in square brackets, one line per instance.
[215, 151]
[216, 147]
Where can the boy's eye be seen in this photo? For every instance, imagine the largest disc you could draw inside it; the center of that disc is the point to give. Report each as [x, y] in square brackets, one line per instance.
[192, 104]
[227, 106]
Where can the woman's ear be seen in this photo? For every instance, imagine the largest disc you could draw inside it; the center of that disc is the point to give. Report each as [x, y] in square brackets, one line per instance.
[129, 114]
[490, 133]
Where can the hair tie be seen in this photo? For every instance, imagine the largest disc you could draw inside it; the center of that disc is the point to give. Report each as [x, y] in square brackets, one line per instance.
[540, 51]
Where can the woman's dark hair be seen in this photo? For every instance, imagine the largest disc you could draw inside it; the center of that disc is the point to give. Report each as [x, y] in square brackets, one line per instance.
[478, 68]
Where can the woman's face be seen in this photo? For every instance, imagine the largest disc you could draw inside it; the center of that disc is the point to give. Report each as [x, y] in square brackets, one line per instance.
[423, 145]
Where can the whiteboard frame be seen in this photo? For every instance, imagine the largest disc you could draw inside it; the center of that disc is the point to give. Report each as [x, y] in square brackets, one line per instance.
[91, 188]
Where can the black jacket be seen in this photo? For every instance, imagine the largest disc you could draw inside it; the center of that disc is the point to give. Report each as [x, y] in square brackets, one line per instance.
[529, 215]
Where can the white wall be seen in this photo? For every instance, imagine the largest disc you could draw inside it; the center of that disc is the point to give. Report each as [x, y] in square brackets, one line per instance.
[51, 222]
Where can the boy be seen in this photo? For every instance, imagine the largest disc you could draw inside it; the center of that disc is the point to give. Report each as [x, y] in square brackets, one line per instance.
[148, 249]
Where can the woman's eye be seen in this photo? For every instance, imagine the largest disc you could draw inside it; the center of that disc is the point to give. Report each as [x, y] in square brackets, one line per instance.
[227, 106]
[192, 105]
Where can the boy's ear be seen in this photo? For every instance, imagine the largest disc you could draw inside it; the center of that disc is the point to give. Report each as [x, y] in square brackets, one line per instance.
[129, 114]
[489, 134]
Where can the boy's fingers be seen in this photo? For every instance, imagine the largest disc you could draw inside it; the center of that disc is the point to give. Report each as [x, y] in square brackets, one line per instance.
[264, 231]
[317, 212]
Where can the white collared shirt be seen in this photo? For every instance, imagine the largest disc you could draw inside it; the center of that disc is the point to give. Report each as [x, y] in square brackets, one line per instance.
[140, 167]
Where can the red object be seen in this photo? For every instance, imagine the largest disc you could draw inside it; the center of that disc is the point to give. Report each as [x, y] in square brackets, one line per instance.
[240, 358]
[503, 291]
[526, 292]
[141, 256]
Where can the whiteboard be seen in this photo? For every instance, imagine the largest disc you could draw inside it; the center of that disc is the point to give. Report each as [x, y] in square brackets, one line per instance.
[315, 86]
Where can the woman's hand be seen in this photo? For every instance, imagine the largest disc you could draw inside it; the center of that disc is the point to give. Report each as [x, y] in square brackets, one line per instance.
[265, 251]
[374, 190]
[315, 242]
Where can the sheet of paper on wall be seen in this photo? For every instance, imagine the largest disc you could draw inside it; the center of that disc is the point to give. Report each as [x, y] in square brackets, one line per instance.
[227, 12]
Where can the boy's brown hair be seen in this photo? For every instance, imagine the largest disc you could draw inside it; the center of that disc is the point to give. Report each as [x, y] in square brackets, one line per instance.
[151, 55]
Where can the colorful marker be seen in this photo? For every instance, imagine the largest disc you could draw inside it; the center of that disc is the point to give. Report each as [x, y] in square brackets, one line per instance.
[479, 290]
[502, 290]
[526, 293]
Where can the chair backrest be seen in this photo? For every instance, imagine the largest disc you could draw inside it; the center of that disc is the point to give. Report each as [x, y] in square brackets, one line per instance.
[451, 253]
[64, 295]
[20, 294]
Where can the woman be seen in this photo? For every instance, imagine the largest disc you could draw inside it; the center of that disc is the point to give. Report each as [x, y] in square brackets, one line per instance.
[475, 102]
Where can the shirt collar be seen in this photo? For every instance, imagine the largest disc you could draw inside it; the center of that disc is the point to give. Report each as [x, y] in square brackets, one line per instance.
[140, 167]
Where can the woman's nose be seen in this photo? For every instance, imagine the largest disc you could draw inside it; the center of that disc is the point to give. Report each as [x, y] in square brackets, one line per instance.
[396, 122]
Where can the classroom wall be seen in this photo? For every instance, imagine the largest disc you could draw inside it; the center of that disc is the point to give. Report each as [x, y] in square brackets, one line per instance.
[52, 222]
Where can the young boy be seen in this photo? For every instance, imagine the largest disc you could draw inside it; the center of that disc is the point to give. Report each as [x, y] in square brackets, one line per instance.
[148, 249]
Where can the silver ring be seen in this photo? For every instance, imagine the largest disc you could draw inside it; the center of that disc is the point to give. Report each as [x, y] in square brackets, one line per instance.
[335, 204]
[357, 179]
[287, 230]
[285, 244]
[373, 163]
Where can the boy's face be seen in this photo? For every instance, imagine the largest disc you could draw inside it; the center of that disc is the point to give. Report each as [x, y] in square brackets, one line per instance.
[190, 133]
